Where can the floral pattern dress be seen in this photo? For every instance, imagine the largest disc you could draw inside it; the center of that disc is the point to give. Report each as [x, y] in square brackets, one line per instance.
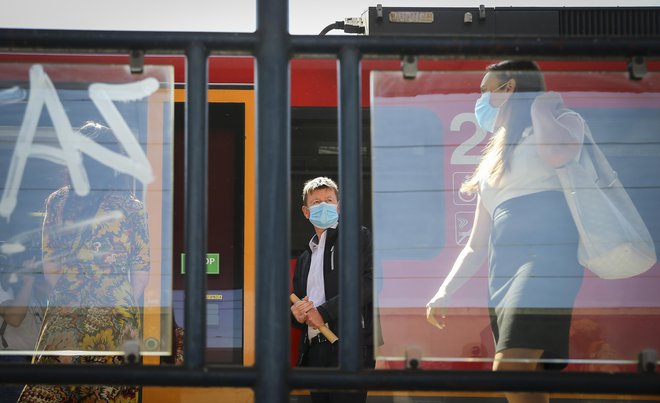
[92, 308]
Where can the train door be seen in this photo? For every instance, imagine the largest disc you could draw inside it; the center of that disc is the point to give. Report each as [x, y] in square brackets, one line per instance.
[230, 250]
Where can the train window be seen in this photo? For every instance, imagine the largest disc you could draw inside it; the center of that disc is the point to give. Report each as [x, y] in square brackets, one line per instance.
[86, 206]
[512, 276]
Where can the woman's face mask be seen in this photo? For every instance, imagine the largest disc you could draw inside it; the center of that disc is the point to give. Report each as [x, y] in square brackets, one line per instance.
[484, 112]
[323, 215]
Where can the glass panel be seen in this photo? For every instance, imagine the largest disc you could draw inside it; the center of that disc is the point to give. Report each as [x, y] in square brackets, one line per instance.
[86, 209]
[519, 275]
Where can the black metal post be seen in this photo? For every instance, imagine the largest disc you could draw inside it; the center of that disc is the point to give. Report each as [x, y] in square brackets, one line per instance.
[635, 384]
[477, 381]
[50, 40]
[590, 47]
[350, 175]
[196, 174]
[273, 217]
[143, 375]
[480, 47]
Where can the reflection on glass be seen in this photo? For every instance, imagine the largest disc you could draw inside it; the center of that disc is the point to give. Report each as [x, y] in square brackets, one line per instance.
[22, 298]
[96, 260]
[85, 206]
[522, 223]
[476, 245]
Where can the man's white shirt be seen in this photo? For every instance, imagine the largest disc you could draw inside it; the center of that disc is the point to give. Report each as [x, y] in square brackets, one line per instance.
[315, 281]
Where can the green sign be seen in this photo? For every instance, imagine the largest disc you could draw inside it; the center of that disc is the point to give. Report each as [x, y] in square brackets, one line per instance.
[212, 263]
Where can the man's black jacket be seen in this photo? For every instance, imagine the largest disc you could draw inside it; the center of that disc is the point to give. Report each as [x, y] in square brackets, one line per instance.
[330, 309]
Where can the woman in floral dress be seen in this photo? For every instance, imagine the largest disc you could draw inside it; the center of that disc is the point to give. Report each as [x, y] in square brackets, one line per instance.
[96, 259]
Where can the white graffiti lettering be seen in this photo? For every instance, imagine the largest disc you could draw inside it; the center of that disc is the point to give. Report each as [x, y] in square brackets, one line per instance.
[71, 143]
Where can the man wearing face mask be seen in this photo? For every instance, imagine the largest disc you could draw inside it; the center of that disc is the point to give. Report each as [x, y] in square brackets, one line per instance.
[316, 282]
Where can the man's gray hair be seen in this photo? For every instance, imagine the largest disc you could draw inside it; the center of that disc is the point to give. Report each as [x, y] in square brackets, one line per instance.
[318, 183]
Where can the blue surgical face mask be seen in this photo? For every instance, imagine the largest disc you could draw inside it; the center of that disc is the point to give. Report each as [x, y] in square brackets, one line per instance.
[323, 215]
[485, 113]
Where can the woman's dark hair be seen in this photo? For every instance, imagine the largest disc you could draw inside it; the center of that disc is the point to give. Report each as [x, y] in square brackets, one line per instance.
[526, 73]
[517, 111]
[516, 115]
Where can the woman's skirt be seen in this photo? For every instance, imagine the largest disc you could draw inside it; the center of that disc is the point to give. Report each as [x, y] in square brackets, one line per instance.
[534, 275]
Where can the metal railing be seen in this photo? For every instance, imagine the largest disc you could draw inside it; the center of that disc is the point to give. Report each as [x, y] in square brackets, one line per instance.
[272, 46]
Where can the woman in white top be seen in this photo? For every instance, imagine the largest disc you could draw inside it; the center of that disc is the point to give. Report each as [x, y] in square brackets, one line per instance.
[522, 222]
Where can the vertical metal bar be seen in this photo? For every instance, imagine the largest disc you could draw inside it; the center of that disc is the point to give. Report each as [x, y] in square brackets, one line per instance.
[350, 174]
[196, 172]
[273, 184]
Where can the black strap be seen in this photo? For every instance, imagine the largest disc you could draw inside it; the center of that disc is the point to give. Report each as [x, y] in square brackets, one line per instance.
[2, 334]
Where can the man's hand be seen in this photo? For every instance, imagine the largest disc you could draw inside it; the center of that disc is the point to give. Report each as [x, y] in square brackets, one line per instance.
[301, 308]
[314, 318]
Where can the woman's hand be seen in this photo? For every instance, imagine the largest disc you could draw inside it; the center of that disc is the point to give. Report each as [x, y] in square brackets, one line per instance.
[547, 103]
[559, 132]
[432, 313]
